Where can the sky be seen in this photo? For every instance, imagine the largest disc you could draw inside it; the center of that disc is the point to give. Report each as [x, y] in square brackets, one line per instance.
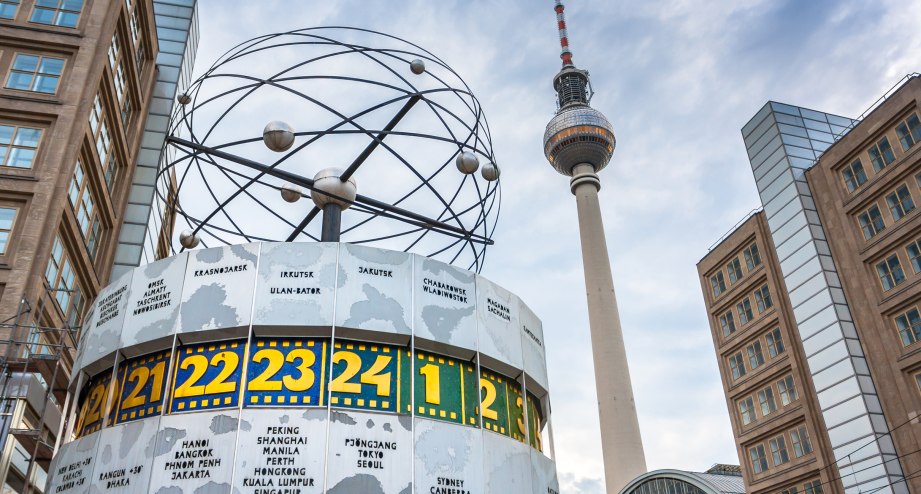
[678, 79]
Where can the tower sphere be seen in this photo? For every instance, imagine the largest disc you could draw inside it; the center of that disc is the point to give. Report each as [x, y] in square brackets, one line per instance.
[578, 134]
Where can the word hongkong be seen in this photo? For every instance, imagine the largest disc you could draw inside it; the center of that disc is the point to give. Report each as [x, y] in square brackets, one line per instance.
[222, 270]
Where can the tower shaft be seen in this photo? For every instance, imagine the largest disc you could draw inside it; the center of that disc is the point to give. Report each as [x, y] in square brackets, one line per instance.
[621, 443]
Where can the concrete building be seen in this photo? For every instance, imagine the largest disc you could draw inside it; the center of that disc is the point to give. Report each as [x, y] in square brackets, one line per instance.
[837, 236]
[77, 79]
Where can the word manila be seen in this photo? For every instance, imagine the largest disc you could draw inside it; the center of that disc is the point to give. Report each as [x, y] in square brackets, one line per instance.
[281, 451]
[445, 290]
[221, 270]
[375, 272]
[72, 475]
[155, 297]
[447, 485]
[194, 460]
[498, 309]
[370, 452]
[108, 307]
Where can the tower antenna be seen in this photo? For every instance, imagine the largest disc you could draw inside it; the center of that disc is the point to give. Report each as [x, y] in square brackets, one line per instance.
[565, 53]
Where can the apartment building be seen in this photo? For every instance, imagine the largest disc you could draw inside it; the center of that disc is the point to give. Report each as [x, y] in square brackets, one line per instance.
[838, 237]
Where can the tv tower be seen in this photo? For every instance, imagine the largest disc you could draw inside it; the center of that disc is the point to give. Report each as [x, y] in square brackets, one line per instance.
[579, 142]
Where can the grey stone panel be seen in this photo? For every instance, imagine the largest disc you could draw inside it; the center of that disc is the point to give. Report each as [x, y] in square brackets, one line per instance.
[445, 303]
[218, 290]
[370, 453]
[543, 474]
[507, 464]
[533, 350]
[448, 456]
[101, 340]
[194, 453]
[279, 449]
[153, 304]
[498, 330]
[374, 290]
[124, 456]
[296, 285]
[71, 471]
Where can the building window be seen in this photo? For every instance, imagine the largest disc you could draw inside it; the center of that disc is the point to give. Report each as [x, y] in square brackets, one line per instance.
[735, 270]
[755, 357]
[727, 323]
[881, 154]
[787, 390]
[909, 326]
[763, 298]
[127, 111]
[18, 146]
[111, 172]
[779, 450]
[114, 50]
[814, 487]
[774, 343]
[133, 26]
[718, 284]
[909, 131]
[35, 73]
[766, 399]
[81, 199]
[854, 176]
[914, 253]
[745, 311]
[890, 272]
[871, 222]
[800, 439]
[900, 202]
[747, 410]
[118, 80]
[7, 219]
[57, 12]
[60, 275]
[103, 142]
[791, 490]
[752, 257]
[737, 366]
[95, 115]
[759, 462]
[8, 8]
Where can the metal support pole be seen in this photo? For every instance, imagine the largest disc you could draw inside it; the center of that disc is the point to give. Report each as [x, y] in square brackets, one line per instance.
[332, 223]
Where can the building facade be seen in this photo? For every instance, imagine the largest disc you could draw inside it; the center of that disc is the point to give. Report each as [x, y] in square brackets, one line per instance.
[830, 187]
[773, 407]
[76, 82]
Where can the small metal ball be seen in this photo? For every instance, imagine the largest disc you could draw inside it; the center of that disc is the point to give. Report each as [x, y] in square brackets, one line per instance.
[490, 172]
[327, 180]
[290, 193]
[417, 66]
[188, 239]
[278, 136]
[467, 163]
[184, 99]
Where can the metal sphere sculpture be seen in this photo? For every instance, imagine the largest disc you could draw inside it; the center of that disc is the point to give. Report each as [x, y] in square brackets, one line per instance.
[360, 119]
